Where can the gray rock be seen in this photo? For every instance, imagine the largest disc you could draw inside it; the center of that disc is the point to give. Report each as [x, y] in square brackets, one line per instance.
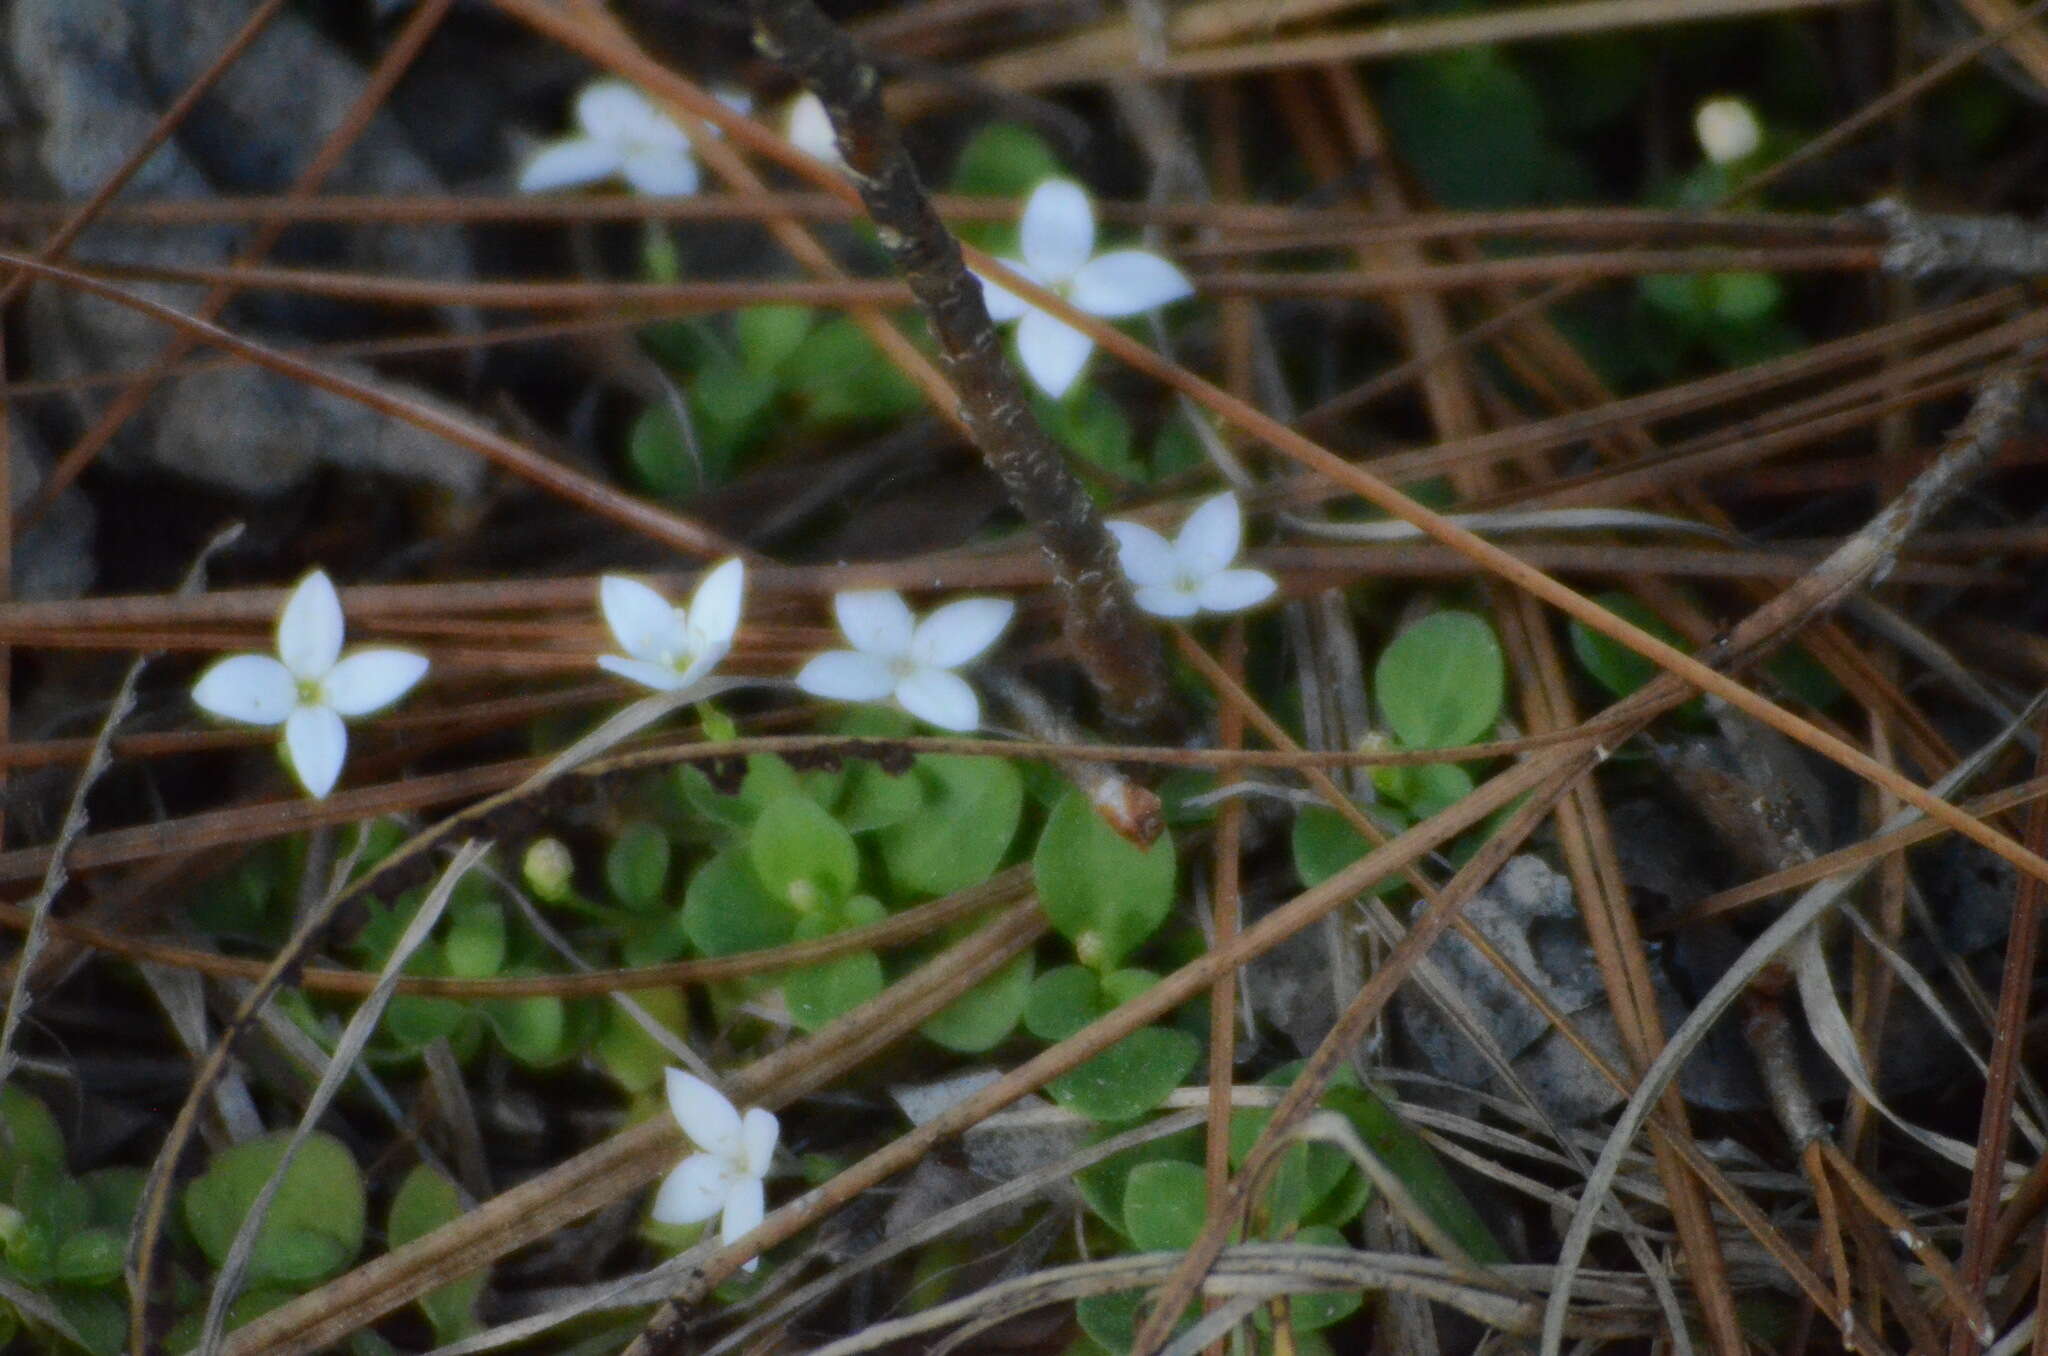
[93, 76]
[53, 559]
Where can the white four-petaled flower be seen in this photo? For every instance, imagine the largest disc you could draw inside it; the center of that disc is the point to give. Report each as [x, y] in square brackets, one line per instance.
[1192, 572]
[623, 135]
[724, 1176]
[895, 655]
[667, 647]
[1056, 236]
[310, 687]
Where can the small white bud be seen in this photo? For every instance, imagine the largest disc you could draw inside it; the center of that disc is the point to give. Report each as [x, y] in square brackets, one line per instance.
[1727, 129]
[547, 868]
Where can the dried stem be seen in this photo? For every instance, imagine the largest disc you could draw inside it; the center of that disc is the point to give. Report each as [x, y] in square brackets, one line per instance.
[1110, 638]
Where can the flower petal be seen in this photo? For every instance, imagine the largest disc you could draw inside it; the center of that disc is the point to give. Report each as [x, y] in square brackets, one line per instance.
[1146, 556]
[940, 698]
[247, 687]
[645, 672]
[661, 171]
[568, 163]
[758, 1131]
[1057, 232]
[959, 631]
[710, 1121]
[1003, 304]
[315, 743]
[877, 621]
[613, 111]
[1168, 600]
[808, 127]
[1209, 539]
[746, 1205]
[309, 628]
[694, 1191]
[644, 623]
[1052, 351]
[1125, 282]
[1235, 590]
[846, 676]
[714, 615]
[369, 680]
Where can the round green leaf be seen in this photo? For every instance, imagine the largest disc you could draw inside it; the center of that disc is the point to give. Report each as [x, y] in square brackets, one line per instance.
[425, 1201]
[475, 944]
[984, 1016]
[1319, 1309]
[1441, 681]
[962, 829]
[1325, 843]
[632, 1057]
[1165, 1205]
[725, 910]
[1063, 1001]
[31, 1134]
[819, 993]
[1130, 1078]
[1004, 160]
[636, 866]
[92, 1257]
[315, 1224]
[1103, 893]
[801, 854]
[531, 1029]
[1613, 665]
[769, 334]
[872, 799]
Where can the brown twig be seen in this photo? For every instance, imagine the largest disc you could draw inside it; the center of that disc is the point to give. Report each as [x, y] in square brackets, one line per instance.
[1111, 639]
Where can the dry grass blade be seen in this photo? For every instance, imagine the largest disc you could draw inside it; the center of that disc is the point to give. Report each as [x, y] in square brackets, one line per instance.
[347, 1050]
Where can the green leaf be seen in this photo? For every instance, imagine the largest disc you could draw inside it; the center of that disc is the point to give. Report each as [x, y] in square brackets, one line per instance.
[425, 1201]
[315, 1224]
[768, 779]
[1311, 1312]
[769, 334]
[1093, 426]
[660, 456]
[632, 1057]
[819, 993]
[984, 1016]
[532, 1030]
[1004, 160]
[1064, 1000]
[31, 1133]
[636, 866]
[475, 944]
[1102, 1186]
[1470, 125]
[1416, 1164]
[801, 854]
[839, 377]
[1424, 788]
[873, 799]
[1742, 299]
[1325, 843]
[961, 831]
[1165, 1205]
[1441, 681]
[413, 1020]
[101, 1319]
[725, 910]
[91, 1257]
[1613, 665]
[1129, 1078]
[1103, 893]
